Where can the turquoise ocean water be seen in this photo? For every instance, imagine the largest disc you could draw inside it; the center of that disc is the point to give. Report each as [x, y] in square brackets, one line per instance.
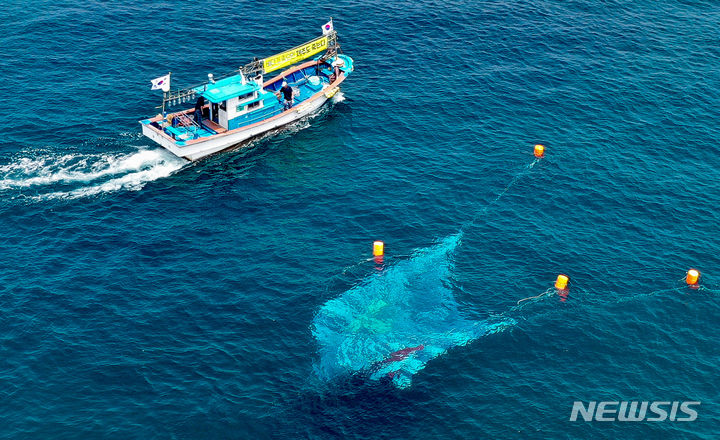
[147, 297]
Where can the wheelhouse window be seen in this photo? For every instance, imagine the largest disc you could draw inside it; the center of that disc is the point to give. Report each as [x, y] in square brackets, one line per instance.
[248, 107]
[246, 96]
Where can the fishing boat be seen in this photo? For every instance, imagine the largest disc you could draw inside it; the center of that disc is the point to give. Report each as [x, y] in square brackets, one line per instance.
[240, 105]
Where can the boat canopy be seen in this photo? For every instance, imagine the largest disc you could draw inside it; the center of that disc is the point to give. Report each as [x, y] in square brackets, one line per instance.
[227, 88]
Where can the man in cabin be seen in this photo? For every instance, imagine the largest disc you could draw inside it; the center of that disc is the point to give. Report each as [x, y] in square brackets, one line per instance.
[287, 95]
[199, 109]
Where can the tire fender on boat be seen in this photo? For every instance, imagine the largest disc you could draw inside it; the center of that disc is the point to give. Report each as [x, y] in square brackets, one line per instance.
[302, 107]
[330, 93]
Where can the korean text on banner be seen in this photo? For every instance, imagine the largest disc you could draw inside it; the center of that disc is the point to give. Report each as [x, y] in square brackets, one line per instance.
[292, 56]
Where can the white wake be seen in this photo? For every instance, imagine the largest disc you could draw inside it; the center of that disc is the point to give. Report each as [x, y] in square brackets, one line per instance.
[337, 97]
[73, 175]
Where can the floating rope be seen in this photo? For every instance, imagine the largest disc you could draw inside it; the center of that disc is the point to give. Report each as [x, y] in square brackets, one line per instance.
[534, 297]
[512, 183]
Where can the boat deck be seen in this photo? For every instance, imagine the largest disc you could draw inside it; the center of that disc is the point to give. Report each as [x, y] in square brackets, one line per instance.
[214, 127]
[186, 133]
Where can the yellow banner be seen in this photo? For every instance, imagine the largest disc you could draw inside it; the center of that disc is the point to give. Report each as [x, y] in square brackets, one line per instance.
[292, 56]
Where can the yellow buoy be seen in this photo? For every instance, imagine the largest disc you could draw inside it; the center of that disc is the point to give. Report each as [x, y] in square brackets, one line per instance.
[378, 248]
[692, 277]
[539, 150]
[561, 282]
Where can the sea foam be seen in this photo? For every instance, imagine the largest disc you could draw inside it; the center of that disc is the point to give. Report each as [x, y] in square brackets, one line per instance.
[73, 175]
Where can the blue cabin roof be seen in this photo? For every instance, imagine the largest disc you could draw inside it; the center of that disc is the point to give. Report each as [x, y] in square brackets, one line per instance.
[226, 88]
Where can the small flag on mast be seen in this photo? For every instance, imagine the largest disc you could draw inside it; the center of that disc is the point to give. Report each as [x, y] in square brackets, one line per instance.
[161, 83]
[327, 27]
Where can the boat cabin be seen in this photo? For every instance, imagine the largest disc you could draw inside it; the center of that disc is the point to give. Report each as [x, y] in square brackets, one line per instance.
[234, 102]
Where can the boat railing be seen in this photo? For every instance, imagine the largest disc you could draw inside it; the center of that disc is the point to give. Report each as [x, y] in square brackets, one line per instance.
[186, 121]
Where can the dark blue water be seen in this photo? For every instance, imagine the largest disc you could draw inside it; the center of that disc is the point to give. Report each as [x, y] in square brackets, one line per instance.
[147, 297]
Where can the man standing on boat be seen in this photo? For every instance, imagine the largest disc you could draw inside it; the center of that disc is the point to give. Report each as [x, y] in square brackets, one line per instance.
[199, 109]
[287, 94]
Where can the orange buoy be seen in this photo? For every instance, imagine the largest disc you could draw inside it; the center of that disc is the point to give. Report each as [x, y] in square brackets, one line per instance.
[561, 282]
[692, 277]
[378, 248]
[539, 150]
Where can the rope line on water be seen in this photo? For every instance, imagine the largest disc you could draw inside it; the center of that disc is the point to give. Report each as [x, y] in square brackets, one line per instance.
[534, 297]
[524, 172]
[479, 214]
[596, 300]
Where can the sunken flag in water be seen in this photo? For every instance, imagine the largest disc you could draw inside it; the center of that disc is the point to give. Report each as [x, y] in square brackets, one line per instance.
[327, 27]
[161, 83]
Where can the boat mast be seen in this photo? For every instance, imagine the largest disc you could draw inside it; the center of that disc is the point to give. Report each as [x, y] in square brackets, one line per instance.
[165, 94]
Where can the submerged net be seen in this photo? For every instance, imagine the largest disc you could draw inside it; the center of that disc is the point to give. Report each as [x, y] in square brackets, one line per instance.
[395, 321]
